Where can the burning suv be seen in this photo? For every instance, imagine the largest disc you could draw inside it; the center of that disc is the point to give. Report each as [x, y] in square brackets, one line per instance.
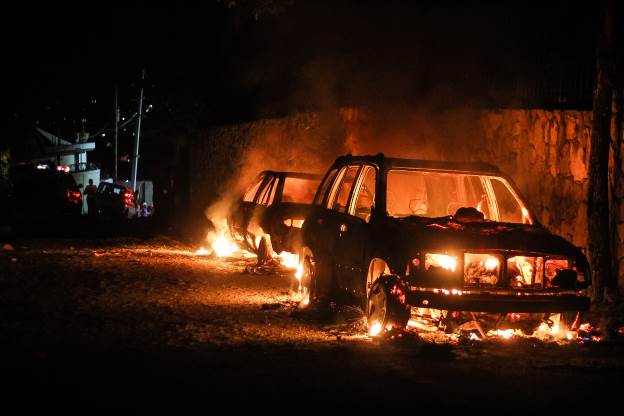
[406, 235]
[275, 205]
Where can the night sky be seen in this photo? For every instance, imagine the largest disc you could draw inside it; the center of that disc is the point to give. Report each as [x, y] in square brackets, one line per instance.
[224, 63]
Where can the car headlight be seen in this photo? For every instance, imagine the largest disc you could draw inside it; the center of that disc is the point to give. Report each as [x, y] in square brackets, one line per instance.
[443, 261]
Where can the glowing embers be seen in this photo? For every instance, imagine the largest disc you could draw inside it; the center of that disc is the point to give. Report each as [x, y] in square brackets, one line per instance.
[481, 269]
[525, 271]
[440, 261]
[290, 222]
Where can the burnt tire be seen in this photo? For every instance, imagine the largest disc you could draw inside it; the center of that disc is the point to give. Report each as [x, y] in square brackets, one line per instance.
[386, 307]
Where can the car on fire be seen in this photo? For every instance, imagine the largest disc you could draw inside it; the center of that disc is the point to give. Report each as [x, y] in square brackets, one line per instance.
[269, 215]
[399, 235]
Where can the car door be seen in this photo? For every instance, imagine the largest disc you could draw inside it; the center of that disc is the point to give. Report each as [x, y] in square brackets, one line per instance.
[264, 209]
[336, 217]
[242, 213]
[313, 227]
[354, 236]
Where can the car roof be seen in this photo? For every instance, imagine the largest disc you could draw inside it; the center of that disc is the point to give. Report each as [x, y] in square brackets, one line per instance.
[299, 175]
[422, 164]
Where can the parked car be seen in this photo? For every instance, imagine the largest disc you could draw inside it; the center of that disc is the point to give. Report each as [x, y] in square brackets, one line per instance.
[42, 191]
[115, 200]
[276, 204]
[398, 234]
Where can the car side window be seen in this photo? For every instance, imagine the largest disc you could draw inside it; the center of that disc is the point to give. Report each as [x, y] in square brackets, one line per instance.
[329, 178]
[342, 196]
[268, 193]
[365, 194]
[251, 192]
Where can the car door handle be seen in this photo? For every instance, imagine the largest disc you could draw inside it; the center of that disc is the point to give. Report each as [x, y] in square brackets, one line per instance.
[343, 228]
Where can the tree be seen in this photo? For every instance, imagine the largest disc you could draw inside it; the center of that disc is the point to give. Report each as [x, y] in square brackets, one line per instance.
[604, 281]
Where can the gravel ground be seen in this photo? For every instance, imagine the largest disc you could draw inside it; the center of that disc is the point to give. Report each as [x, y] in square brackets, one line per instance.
[148, 323]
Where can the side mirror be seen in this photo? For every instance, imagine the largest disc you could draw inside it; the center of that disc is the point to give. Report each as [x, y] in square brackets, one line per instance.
[80, 185]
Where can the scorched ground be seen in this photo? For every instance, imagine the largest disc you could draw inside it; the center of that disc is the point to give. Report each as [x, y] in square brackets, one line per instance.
[149, 322]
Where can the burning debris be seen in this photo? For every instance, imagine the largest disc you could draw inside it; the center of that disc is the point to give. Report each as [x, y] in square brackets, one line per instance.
[446, 326]
[221, 245]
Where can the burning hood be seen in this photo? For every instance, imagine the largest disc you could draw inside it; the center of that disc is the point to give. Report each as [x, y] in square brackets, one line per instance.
[448, 234]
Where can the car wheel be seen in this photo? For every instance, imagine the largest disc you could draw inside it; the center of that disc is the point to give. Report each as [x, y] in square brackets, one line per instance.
[385, 305]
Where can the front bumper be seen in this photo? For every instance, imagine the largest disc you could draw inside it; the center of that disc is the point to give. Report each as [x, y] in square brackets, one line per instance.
[497, 300]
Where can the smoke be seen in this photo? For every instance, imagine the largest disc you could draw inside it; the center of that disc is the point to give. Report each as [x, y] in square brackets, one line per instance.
[310, 142]
[351, 89]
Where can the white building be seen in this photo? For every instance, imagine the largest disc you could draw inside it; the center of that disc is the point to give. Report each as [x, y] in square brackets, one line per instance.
[73, 156]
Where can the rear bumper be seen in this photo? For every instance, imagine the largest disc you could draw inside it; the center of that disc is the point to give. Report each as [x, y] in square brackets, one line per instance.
[493, 301]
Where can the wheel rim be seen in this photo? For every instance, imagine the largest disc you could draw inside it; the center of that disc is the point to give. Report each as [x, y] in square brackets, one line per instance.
[377, 310]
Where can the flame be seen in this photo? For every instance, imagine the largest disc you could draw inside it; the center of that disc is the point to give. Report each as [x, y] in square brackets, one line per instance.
[289, 260]
[525, 268]
[202, 251]
[375, 329]
[224, 246]
[442, 260]
[491, 263]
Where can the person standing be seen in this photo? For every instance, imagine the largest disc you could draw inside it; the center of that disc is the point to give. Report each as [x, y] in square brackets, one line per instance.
[89, 193]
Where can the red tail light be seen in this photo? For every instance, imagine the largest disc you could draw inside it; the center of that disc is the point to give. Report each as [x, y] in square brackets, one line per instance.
[73, 196]
[128, 198]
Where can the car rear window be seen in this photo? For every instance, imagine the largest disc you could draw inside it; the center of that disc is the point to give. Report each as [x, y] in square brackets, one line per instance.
[299, 190]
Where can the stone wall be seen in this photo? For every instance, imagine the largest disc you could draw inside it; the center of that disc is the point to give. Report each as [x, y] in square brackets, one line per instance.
[546, 153]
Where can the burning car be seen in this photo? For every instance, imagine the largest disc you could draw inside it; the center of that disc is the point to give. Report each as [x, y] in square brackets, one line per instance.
[400, 235]
[270, 214]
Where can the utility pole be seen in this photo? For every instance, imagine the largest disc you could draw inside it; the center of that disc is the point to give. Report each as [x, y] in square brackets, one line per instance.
[115, 174]
[135, 151]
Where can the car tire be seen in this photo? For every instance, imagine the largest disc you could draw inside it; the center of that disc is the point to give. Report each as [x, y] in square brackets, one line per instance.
[385, 305]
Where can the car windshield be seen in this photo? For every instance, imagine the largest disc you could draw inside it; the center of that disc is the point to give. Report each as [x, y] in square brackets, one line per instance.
[439, 194]
[299, 190]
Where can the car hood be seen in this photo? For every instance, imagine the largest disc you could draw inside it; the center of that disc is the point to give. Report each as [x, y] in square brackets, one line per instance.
[446, 234]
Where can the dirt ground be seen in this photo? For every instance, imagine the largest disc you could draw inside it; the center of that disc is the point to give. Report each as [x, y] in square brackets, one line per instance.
[145, 323]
